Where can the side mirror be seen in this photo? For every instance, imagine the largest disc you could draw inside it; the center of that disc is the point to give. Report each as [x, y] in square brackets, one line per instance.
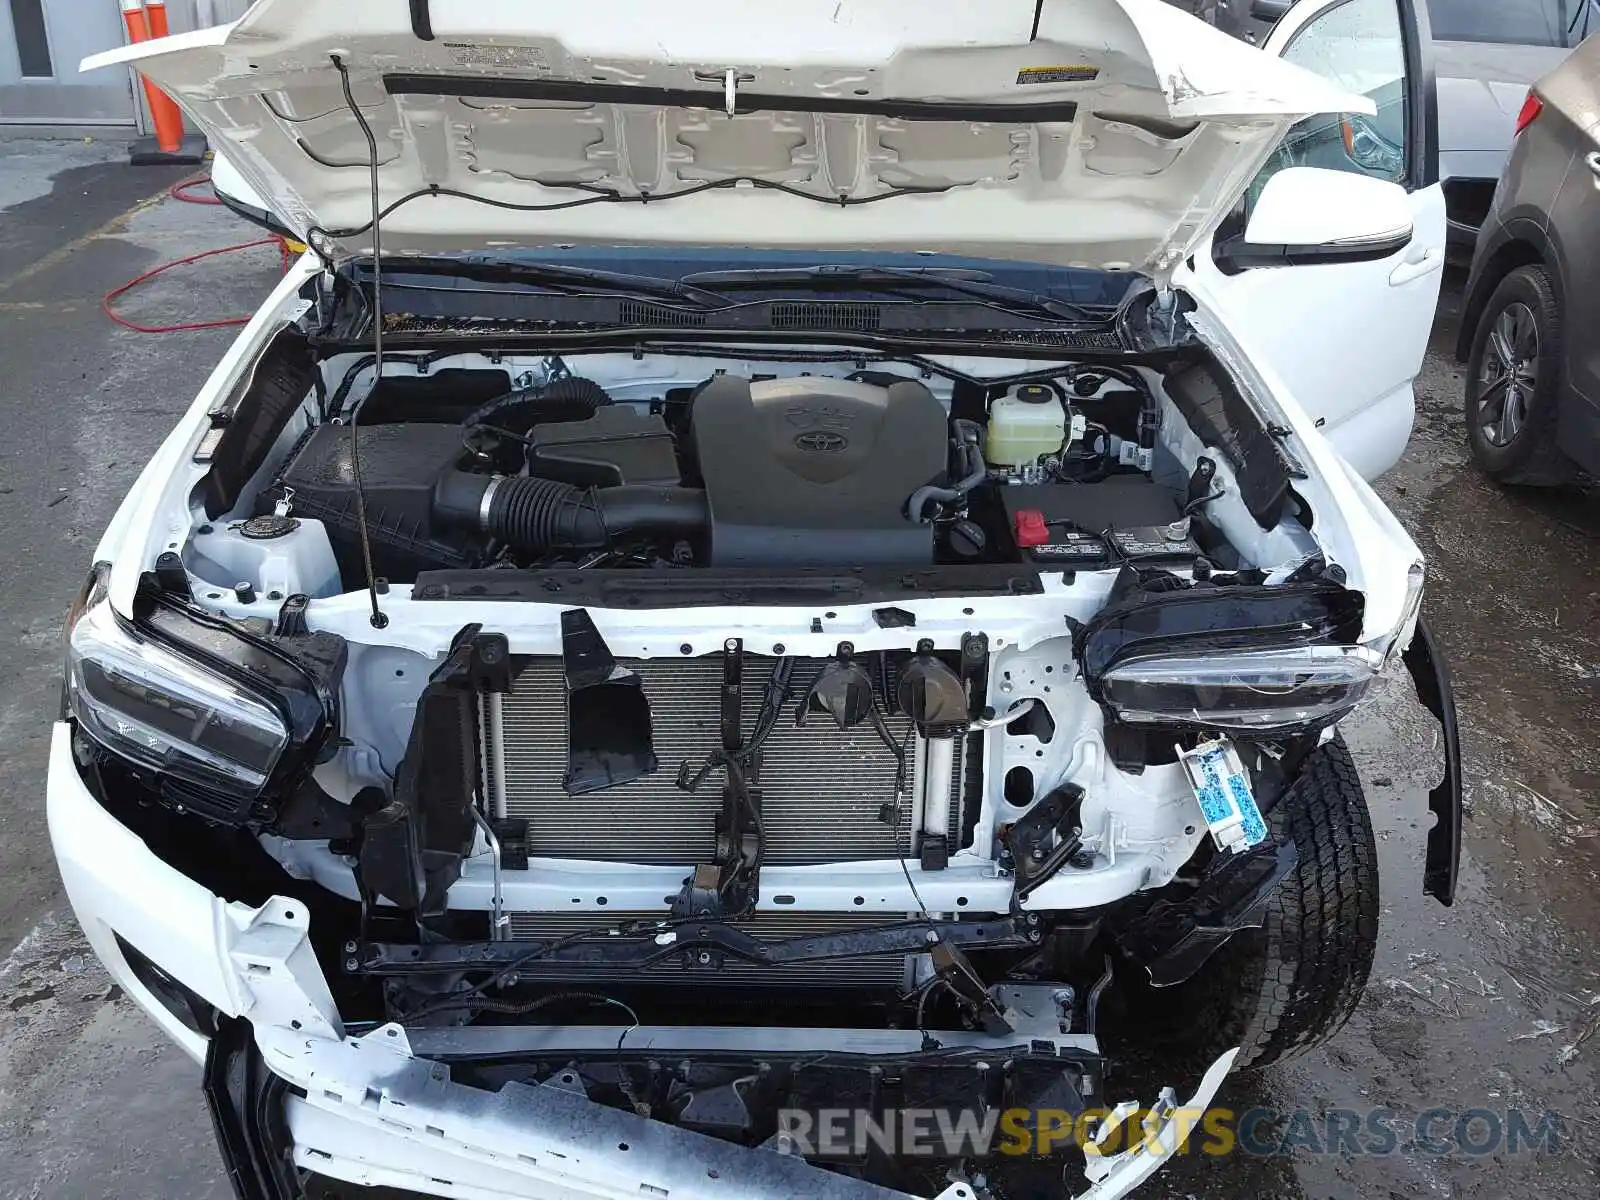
[1312, 215]
[1270, 10]
[238, 195]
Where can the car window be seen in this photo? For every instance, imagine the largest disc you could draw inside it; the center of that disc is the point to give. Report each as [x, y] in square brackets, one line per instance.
[1359, 46]
[1515, 22]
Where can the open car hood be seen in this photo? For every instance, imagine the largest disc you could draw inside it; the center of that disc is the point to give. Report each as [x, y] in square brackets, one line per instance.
[1105, 133]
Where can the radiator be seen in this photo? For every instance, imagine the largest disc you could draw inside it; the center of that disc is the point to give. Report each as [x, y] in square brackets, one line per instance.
[883, 971]
[821, 788]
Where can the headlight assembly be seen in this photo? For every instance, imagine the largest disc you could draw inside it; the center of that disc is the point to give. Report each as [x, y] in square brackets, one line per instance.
[1244, 690]
[191, 701]
[1239, 658]
[159, 710]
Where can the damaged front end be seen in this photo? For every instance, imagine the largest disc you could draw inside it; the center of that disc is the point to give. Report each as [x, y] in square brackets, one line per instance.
[546, 959]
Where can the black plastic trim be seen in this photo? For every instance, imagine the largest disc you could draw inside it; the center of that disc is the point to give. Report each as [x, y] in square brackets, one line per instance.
[745, 102]
[256, 216]
[255, 416]
[622, 588]
[1442, 864]
[1221, 416]
[1236, 254]
[246, 1102]
[190, 1008]
[645, 947]
[421, 20]
[1422, 109]
[1173, 941]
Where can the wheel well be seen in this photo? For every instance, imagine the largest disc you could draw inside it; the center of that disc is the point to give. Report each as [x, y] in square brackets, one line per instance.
[1514, 254]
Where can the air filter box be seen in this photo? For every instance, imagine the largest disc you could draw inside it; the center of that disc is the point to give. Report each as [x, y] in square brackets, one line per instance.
[618, 445]
[399, 464]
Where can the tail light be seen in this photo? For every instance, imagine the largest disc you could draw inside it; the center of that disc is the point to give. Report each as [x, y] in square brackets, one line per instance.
[1531, 108]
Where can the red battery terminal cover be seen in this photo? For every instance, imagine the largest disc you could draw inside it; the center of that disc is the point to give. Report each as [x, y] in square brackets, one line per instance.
[1031, 529]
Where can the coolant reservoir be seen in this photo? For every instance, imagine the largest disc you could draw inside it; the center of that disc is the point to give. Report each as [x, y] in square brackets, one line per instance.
[1027, 422]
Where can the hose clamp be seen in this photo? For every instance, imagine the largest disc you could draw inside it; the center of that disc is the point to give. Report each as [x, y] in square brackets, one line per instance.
[488, 499]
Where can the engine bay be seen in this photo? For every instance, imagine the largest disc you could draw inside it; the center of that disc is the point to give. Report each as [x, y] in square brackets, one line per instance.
[868, 468]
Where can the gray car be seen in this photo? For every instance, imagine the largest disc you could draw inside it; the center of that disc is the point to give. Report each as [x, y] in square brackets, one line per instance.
[1533, 299]
[1486, 54]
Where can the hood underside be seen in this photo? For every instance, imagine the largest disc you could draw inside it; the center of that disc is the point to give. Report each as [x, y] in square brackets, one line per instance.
[1105, 133]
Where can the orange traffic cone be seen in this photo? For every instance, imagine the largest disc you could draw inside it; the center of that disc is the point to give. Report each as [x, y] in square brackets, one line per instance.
[169, 144]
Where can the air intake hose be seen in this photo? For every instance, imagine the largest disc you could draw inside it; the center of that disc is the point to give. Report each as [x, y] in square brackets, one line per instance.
[542, 514]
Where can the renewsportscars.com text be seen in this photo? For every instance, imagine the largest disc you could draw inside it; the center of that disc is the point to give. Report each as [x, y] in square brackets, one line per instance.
[1261, 1132]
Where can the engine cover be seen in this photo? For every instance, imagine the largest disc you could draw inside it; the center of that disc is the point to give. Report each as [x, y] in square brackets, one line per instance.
[816, 471]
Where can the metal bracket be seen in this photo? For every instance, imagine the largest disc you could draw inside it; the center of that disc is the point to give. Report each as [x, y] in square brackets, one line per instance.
[1055, 817]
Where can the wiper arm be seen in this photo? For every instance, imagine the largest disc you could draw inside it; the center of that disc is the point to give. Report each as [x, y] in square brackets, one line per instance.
[867, 278]
[566, 279]
[762, 276]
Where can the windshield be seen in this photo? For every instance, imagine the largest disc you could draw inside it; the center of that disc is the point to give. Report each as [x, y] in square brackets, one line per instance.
[1517, 22]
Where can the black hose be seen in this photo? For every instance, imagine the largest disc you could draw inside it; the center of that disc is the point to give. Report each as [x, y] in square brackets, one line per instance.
[969, 448]
[537, 515]
[567, 399]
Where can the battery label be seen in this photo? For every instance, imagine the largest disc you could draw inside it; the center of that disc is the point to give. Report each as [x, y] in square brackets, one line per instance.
[1151, 541]
[1070, 547]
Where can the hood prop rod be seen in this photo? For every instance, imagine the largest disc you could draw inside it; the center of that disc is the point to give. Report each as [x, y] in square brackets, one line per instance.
[378, 619]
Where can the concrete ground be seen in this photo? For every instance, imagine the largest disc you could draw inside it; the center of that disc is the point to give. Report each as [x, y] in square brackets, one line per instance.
[1492, 1004]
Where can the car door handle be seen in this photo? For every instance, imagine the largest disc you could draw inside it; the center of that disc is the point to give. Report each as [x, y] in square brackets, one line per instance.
[1417, 264]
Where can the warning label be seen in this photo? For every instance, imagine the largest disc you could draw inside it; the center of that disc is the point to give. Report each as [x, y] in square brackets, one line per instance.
[1062, 73]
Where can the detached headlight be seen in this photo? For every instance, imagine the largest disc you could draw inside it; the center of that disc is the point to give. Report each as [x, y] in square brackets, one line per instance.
[149, 704]
[1248, 690]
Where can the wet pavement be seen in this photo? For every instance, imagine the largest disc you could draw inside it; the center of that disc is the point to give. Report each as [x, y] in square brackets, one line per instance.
[1491, 1005]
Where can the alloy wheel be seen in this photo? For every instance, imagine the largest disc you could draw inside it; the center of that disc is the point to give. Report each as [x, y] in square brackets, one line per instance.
[1508, 375]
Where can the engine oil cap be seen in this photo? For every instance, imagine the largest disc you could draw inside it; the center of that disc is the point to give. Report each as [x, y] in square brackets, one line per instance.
[262, 529]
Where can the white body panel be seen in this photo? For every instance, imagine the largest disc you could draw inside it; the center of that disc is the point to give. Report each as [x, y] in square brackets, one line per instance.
[1172, 119]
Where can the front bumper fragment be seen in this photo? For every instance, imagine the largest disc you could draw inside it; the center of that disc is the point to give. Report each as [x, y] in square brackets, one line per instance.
[368, 1111]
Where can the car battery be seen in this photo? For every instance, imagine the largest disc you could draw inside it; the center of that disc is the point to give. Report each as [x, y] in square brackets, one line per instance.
[1125, 518]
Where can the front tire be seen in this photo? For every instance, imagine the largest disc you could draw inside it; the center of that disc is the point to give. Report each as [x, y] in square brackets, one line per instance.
[1514, 382]
[1279, 990]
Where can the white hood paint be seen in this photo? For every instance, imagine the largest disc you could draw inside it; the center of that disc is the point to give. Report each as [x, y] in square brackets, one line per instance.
[1172, 120]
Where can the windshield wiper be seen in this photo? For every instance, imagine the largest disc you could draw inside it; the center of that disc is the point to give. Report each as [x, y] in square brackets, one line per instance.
[891, 279]
[584, 280]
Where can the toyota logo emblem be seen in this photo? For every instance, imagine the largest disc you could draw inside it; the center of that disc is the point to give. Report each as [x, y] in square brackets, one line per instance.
[821, 441]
